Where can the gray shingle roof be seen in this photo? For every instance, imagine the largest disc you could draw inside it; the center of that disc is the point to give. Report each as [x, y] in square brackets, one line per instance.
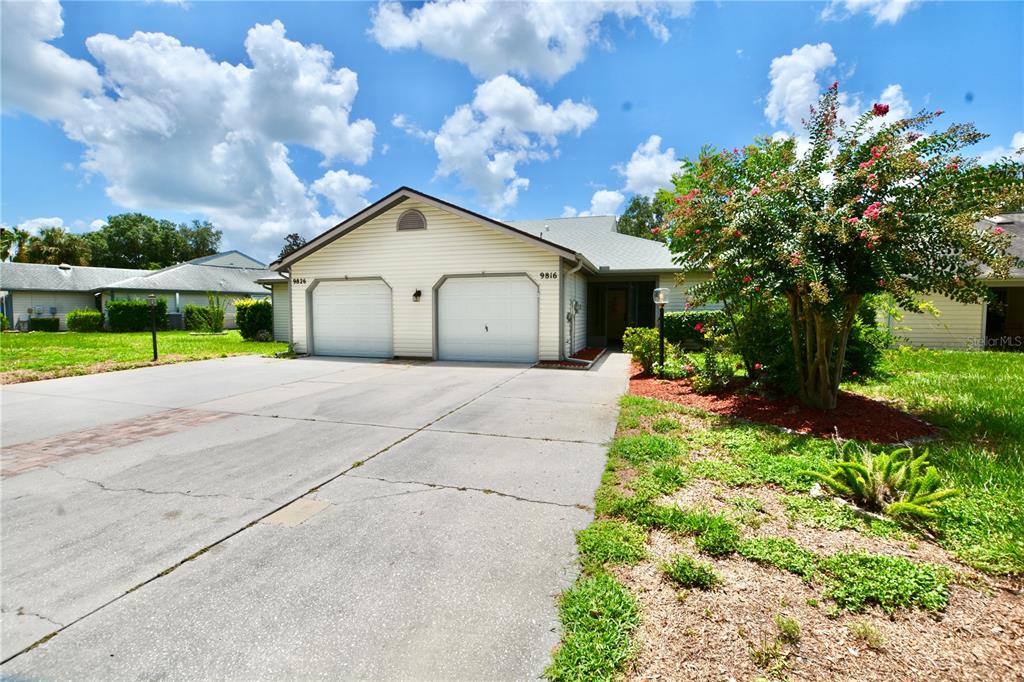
[596, 238]
[39, 277]
[189, 277]
[1013, 223]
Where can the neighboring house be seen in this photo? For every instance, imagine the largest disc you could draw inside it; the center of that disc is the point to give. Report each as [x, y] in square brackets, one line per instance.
[967, 326]
[37, 290]
[415, 276]
[230, 259]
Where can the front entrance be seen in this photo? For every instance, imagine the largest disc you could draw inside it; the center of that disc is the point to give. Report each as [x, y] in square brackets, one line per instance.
[613, 305]
[1004, 322]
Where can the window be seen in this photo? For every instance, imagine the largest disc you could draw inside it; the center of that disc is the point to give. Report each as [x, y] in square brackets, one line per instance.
[412, 220]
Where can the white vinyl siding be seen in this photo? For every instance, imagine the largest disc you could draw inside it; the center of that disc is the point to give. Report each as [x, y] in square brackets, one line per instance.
[63, 301]
[487, 319]
[280, 302]
[677, 292]
[576, 330]
[416, 260]
[959, 326]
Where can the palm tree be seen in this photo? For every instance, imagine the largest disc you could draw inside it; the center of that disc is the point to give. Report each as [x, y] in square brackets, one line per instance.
[12, 244]
[55, 245]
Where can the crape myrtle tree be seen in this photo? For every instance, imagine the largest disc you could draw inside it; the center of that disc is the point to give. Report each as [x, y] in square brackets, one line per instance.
[874, 206]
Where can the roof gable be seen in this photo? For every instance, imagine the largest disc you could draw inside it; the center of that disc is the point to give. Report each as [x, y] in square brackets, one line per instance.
[394, 199]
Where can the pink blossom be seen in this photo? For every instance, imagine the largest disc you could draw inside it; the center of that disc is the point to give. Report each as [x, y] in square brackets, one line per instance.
[881, 282]
[998, 230]
[874, 211]
[854, 373]
[853, 221]
[877, 152]
[737, 233]
[953, 166]
[678, 199]
[939, 112]
[755, 190]
[688, 369]
[655, 230]
[863, 234]
[699, 327]
[758, 365]
[696, 231]
[747, 279]
[871, 245]
[835, 85]
[867, 164]
[880, 109]
[735, 150]
[913, 137]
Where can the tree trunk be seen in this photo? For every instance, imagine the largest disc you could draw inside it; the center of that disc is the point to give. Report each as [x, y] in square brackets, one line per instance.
[819, 348]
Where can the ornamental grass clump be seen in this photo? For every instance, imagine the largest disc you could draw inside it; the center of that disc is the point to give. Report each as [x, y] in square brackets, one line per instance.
[894, 483]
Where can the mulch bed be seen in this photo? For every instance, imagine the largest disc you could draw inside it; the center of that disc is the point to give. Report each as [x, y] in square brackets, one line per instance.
[588, 354]
[855, 417]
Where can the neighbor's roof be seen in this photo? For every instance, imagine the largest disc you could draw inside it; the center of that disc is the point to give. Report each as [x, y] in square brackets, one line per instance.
[1013, 223]
[190, 277]
[229, 259]
[597, 239]
[41, 277]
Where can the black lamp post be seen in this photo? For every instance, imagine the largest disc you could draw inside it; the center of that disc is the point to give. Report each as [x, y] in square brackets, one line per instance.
[151, 300]
[660, 299]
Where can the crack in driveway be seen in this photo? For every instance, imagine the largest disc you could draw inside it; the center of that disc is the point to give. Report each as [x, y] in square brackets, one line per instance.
[486, 491]
[187, 493]
[20, 611]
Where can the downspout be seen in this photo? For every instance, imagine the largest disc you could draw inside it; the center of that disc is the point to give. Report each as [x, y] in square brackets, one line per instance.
[572, 313]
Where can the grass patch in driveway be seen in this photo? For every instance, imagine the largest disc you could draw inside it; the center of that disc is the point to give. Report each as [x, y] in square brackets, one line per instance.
[31, 356]
[610, 542]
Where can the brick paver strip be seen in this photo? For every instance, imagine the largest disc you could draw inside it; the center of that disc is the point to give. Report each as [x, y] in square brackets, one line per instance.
[17, 459]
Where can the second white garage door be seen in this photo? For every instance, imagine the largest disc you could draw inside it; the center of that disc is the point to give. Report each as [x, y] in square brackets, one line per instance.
[487, 319]
[352, 318]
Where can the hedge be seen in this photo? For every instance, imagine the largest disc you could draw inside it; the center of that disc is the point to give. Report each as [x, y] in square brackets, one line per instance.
[84, 321]
[254, 315]
[44, 324]
[197, 317]
[4, 324]
[680, 327]
[133, 316]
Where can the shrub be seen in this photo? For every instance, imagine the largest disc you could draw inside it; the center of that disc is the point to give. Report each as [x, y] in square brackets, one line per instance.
[254, 315]
[84, 321]
[681, 328]
[616, 542]
[3, 323]
[197, 317]
[686, 571]
[216, 313]
[133, 316]
[895, 483]
[44, 324]
[643, 344]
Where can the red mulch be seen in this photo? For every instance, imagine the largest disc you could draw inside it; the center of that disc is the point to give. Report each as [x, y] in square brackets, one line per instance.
[588, 354]
[855, 416]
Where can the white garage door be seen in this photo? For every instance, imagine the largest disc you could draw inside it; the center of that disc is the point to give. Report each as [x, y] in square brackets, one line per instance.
[489, 319]
[352, 318]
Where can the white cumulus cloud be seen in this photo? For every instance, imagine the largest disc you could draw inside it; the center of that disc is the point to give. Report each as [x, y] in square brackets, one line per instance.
[344, 190]
[1000, 152]
[794, 83]
[649, 169]
[402, 122]
[883, 11]
[173, 129]
[544, 39]
[506, 124]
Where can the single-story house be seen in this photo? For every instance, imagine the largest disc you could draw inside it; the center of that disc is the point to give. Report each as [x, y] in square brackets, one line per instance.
[972, 326]
[36, 290]
[415, 276]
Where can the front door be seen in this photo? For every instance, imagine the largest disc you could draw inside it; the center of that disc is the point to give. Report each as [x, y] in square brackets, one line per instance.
[618, 300]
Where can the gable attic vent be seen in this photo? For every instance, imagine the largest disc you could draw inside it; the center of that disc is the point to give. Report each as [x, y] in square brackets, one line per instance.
[412, 220]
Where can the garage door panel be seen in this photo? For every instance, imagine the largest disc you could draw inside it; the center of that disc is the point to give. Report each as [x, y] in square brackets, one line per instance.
[352, 318]
[488, 319]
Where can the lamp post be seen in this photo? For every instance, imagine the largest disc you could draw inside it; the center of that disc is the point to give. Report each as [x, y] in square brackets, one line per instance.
[660, 299]
[151, 300]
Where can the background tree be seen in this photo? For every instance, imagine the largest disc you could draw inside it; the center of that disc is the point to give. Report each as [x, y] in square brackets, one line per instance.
[136, 240]
[292, 243]
[870, 207]
[12, 244]
[55, 245]
[643, 218]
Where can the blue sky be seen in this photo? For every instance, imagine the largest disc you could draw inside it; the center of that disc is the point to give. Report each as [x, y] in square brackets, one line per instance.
[230, 111]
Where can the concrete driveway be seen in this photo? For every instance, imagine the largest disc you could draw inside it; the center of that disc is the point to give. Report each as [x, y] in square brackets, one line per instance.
[250, 518]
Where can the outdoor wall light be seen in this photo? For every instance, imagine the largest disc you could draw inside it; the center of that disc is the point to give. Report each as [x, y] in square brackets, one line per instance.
[660, 299]
[661, 296]
[416, 295]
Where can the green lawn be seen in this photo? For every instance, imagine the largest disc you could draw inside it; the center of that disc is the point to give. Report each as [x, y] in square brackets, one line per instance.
[46, 355]
[663, 447]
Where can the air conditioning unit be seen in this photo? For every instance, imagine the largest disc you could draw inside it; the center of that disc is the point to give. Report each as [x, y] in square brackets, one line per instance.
[53, 312]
